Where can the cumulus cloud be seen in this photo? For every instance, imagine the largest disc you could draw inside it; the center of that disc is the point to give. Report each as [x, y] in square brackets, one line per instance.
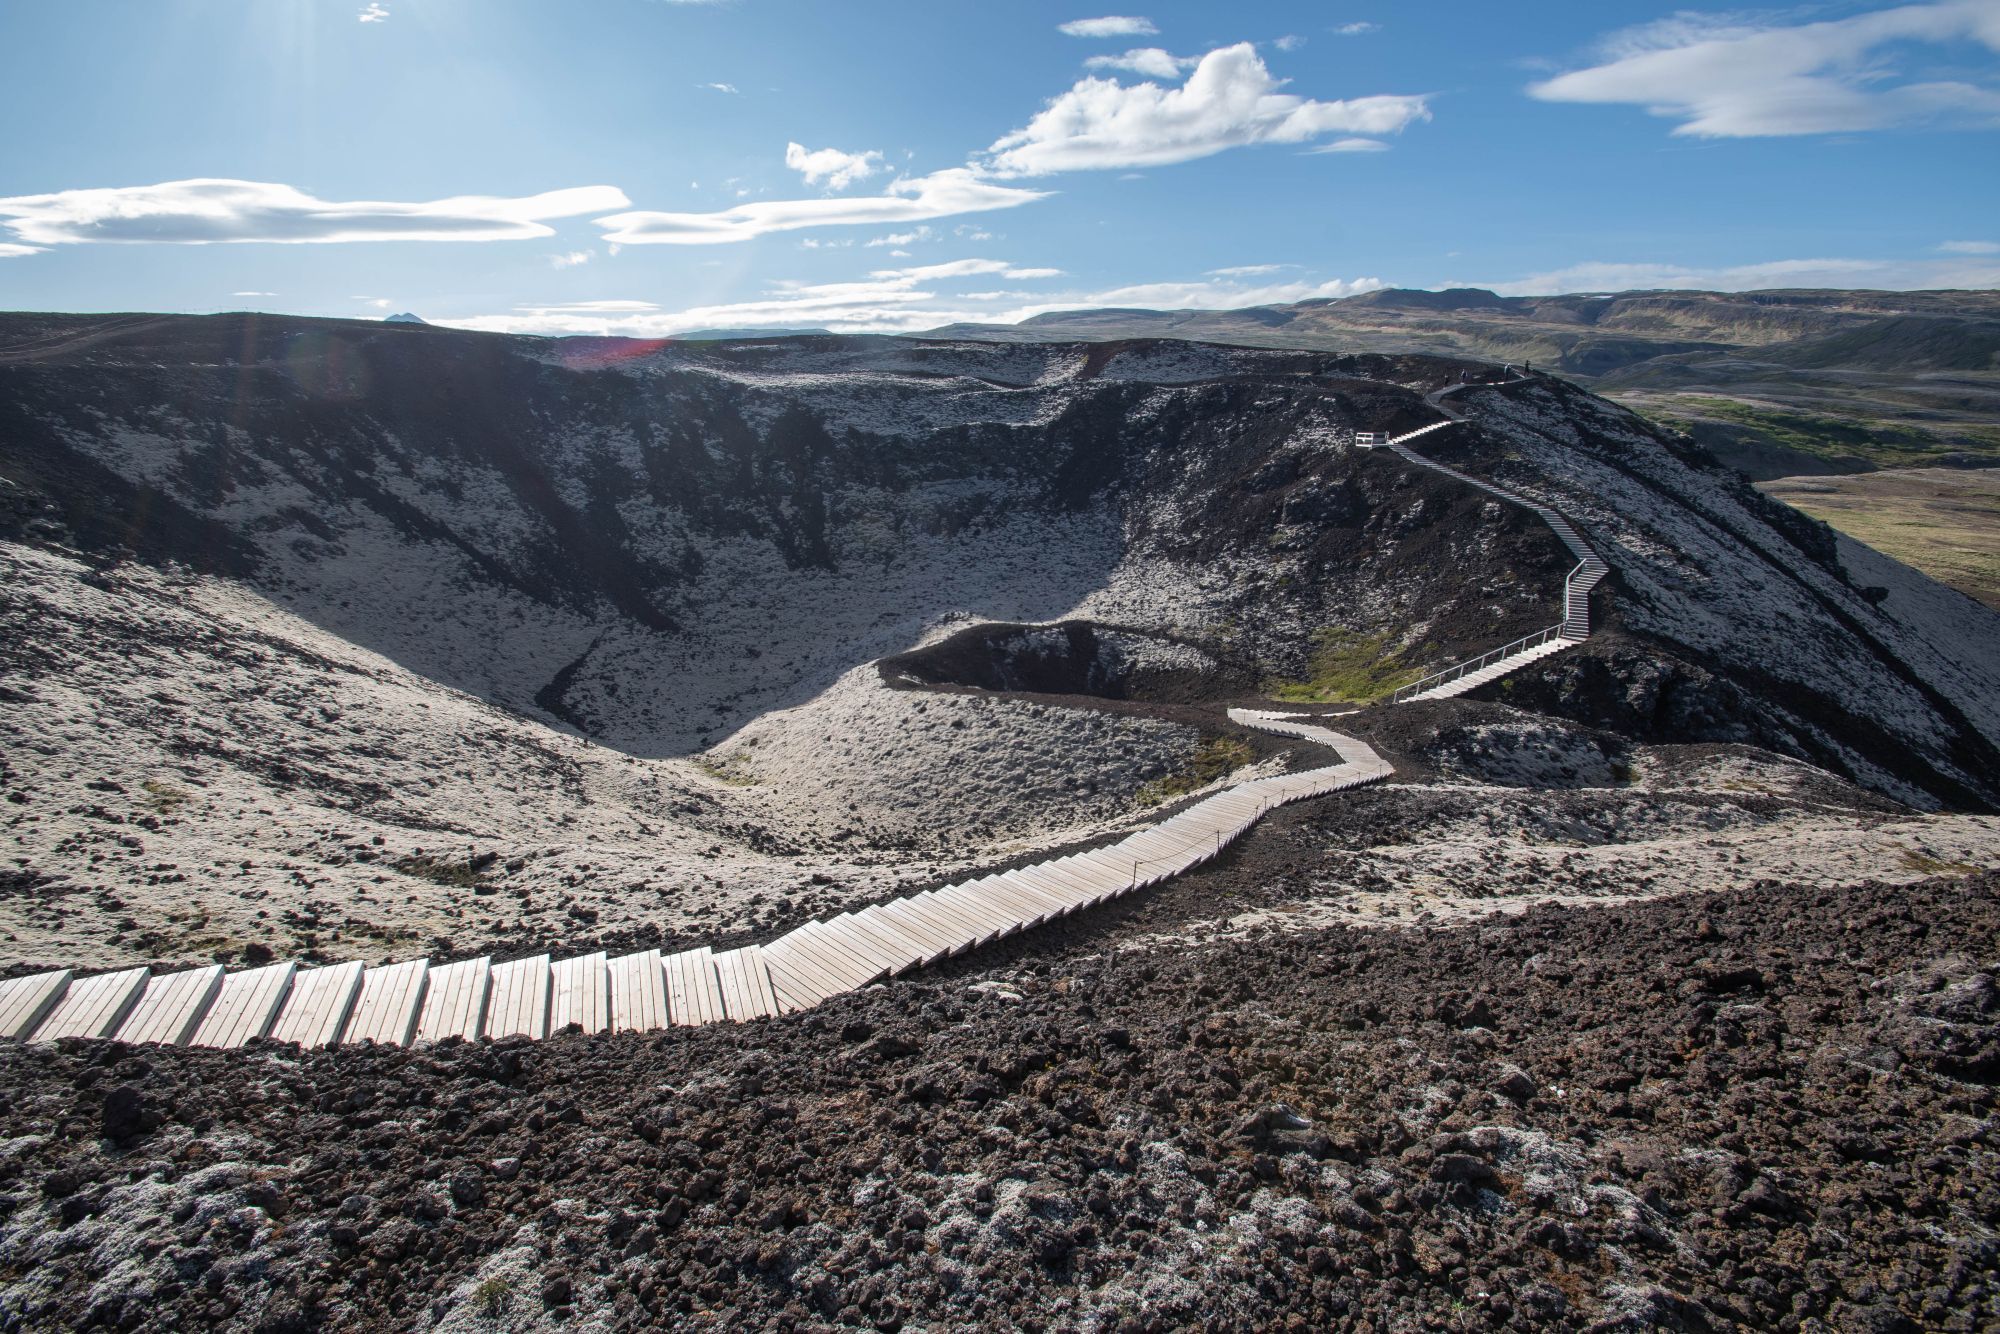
[204, 212]
[374, 14]
[1150, 61]
[1229, 100]
[831, 167]
[1890, 275]
[1970, 247]
[938, 195]
[1730, 79]
[1112, 25]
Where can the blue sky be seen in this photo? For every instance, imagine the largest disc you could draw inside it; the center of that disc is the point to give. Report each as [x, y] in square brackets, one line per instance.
[647, 167]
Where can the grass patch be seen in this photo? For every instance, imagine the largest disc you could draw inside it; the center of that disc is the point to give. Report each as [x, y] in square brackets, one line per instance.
[731, 769]
[1945, 522]
[1883, 443]
[466, 874]
[1929, 865]
[1218, 755]
[1347, 668]
[163, 797]
[490, 1298]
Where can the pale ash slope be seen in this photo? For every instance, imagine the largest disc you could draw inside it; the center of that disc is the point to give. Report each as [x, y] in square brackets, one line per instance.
[189, 770]
[1710, 574]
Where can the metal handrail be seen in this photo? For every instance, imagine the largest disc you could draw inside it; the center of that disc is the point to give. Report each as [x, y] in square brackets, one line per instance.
[1493, 655]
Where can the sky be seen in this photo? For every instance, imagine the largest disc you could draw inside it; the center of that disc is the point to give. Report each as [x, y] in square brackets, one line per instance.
[651, 167]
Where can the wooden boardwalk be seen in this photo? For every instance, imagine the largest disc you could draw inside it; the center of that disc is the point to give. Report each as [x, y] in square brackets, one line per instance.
[411, 1001]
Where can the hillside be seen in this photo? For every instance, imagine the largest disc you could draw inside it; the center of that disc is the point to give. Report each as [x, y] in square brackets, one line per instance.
[1775, 382]
[326, 640]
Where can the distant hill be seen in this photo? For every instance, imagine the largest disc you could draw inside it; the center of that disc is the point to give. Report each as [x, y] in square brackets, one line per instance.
[404, 318]
[1777, 382]
[719, 335]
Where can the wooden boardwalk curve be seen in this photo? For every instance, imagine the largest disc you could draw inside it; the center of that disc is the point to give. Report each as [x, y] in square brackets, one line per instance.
[411, 1001]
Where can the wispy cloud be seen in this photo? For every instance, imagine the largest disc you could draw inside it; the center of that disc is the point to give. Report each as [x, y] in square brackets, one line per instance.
[1150, 61]
[203, 212]
[938, 195]
[891, 301]
[915, 234]
[8, 250]
[253, 294]
[831, 167]
[1249, 270]
[1970, 247]
[1351, 145]
[570, 259]
[1730, 78]
[374, 14]
[719, 87]
[1112, 25]
[1228, 101]
[1886, 274]
[1291, 41]
[1355, 29]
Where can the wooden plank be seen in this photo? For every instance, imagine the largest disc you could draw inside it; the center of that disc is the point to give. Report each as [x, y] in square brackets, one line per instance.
[794, 977]
[1044, 903]
[317, 1007]
[580, 994]
[747, 985]
[455, 997]
[26, 1001]
[390, 1001]
[691, 986]
[245, 1006]
[980, 910]
[519, 1004]
[815, 940]
[1062, 889]
[908, 950]
[879, 958]
[173, 1004]
[638, 992]
[936, 945]
[944, 923]
[93, 1007]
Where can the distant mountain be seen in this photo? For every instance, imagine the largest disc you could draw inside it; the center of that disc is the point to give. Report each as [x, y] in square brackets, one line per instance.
[716, 335]
[1775, 383]
[404, 318]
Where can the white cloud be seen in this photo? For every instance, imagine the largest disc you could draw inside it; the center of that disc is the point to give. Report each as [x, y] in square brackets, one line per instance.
[915, 234]
[1147, 60]
[938, 195]
[889, 301]
[719, 87]
[1970, 247]
[1890, 275]
[1356, 29]
[837, 170]
[374, 14]
[1230, 100]
[1354, 145]
[570, 259]
[1201, 295]
[202, 212]
[1249, 270]
[1291, 41]
[1112, 25]
[253, 294]
[11, 251]
[1725, 78]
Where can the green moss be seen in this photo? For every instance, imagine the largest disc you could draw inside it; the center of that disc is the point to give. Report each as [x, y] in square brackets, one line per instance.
[456, 875]
[1929, 865]
[731, 769]
[1883, 443]
[1218, 755]
[1347, 668]
[162, 796]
